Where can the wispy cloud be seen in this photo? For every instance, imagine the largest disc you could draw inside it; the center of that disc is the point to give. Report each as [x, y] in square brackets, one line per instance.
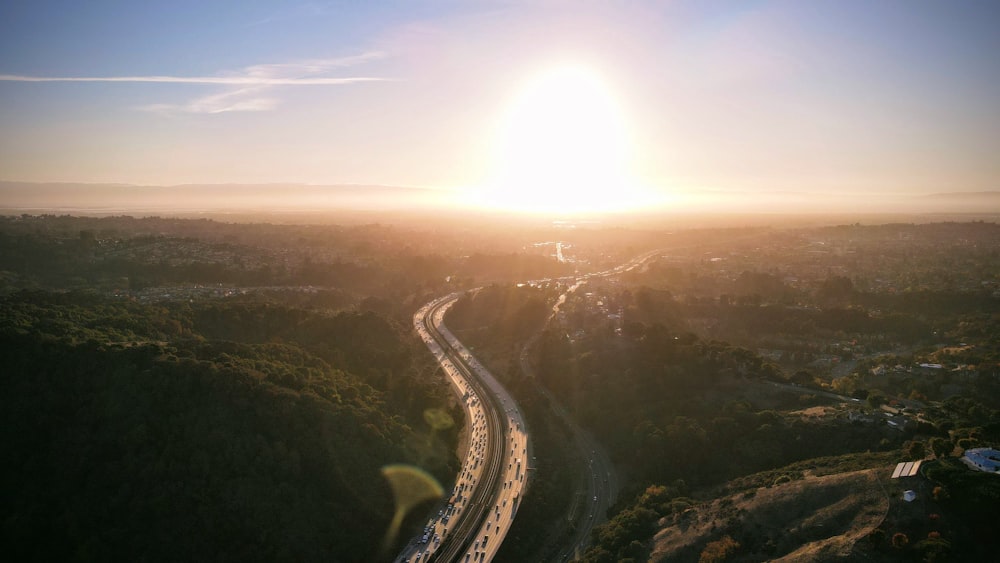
[248, 84]
[227, 80]
[242, 99]
[307, 10]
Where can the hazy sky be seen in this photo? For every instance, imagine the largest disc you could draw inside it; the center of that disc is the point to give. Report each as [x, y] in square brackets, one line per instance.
[838, 96]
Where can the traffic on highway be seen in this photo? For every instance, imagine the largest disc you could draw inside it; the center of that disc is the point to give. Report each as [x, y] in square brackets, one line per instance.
[471, 523]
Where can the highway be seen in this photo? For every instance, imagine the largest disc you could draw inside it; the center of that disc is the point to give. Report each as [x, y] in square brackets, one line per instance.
[600, 479]
[599, 476]
[471, 524]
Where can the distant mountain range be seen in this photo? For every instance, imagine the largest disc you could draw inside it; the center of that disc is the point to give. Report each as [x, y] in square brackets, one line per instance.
[988, 196]
[80, 198]
[97, 198]
[783, 202]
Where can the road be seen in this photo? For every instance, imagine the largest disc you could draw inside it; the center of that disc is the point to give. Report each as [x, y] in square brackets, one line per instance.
[590, 505]
[471, 524]
[812, 391]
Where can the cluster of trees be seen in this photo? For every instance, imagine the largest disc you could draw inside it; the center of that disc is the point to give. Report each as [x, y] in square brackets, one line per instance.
[971, 497]
[508, 312]
[122, 253]
[625, 536]
[206, 432]
[48, 260]
[747, 320]
[669, 404]
[878, 287]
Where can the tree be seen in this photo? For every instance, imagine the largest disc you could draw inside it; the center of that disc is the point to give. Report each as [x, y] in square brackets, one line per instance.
[876, 399]
[802, 377]
[966, 443]
[916, 450]
[940, 446]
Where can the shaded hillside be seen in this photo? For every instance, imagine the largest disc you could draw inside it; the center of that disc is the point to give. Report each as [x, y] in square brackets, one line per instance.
[153, 433]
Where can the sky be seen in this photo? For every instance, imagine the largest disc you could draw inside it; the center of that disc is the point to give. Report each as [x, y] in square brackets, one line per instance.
[843, 96]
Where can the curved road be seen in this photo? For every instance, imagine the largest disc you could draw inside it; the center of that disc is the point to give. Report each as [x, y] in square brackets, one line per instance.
[471, 525]
[590, 505]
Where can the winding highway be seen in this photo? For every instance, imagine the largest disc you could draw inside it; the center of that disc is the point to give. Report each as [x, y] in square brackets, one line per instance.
[471, 524]
[480, 509]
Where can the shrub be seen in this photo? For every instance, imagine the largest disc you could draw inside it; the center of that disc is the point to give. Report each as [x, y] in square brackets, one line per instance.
[900, 540]
[718, 550]
[782, 479]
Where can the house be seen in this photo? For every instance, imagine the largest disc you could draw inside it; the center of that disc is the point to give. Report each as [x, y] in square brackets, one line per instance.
[897, 422]
[983, 459]
[858, 416]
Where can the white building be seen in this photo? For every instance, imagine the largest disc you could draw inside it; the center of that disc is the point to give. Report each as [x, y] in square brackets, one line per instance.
[983, 459]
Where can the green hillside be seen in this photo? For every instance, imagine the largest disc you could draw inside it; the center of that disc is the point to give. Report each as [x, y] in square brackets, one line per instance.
[217, 433]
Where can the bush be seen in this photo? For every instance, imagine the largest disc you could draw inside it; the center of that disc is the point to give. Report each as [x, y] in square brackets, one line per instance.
[934, 549]
[900, 540]
[718, 550]
[940, 493]
[782, 479]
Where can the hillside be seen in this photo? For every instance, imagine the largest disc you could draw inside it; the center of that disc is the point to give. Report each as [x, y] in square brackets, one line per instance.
[817, 518]
[826, 509]
[181, 432]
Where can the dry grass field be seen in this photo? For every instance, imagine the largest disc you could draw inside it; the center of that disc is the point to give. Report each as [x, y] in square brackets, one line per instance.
[812, 519]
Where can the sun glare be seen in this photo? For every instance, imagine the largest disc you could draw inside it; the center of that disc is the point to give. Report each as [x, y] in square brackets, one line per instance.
[562, 147]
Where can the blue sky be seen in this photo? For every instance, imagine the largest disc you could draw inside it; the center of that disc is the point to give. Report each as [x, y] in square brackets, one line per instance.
[833, 96]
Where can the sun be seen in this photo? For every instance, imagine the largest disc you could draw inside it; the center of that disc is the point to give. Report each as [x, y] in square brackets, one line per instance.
[561, 147]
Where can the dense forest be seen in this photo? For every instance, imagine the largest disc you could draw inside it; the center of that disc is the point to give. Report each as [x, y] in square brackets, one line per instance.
[126, 254]
[226, 431]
